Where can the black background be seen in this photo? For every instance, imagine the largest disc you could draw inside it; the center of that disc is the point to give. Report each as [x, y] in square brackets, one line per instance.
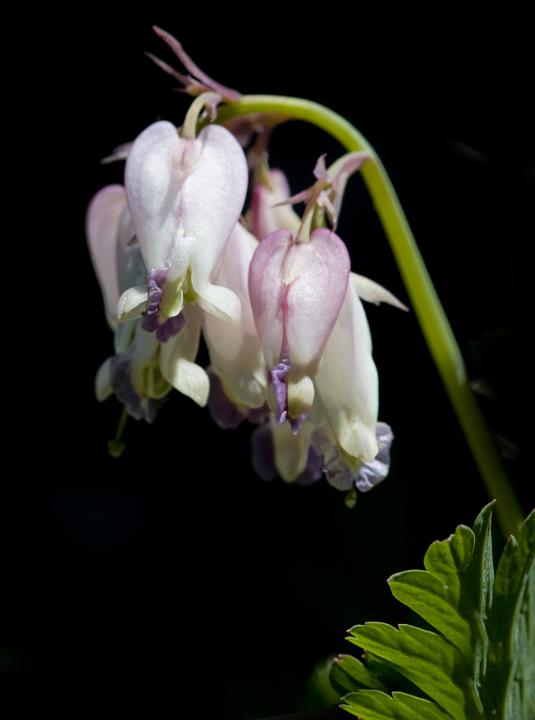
[173, 576]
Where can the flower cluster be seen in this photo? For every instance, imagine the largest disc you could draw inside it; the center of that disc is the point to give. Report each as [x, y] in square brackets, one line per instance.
[270, 291]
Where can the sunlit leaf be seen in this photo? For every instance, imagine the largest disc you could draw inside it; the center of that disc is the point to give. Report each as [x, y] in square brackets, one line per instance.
[478, 660]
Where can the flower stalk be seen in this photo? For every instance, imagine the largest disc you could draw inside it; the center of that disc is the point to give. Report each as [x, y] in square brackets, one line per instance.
[429, 311]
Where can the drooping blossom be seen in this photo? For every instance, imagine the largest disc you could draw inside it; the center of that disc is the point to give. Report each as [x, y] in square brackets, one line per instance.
[280, 310]
[184, 195]
[316, 341]
[142, 371]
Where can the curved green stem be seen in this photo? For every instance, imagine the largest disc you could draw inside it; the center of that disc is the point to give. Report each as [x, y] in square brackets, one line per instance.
[430, 313]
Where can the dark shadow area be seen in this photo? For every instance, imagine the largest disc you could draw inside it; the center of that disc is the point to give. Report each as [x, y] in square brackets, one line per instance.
[173, 576]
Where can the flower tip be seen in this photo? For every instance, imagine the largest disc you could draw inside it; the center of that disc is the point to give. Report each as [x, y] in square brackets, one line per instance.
[320, 171]
[350, 499]
[165, 35]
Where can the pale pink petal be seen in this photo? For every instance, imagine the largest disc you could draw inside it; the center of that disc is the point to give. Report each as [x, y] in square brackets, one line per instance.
[269, 206]
[296, 292]
[316, 275]
[154, 175]
[339, 174]
[103, 221]
[266, 290]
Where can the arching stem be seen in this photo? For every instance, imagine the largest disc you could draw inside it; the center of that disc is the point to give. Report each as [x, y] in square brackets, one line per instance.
[430, 313]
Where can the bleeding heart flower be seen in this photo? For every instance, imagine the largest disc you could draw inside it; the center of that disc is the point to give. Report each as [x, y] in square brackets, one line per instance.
[185, 196]
[315, 334]
[142, 371]
[296, 290]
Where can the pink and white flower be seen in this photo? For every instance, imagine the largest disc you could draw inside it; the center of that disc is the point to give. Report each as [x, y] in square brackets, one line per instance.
[142, 370]
[184, 196]
[316, 339]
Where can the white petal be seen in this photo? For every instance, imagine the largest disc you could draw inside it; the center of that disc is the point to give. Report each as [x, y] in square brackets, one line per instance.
[132, 303]
[190, 379]
[103, 388]
[235, 350]
[374, 293]
[177, 356]
[214, 195]
[219, 301]
[102, 226]
[154, 175]
[347, 382]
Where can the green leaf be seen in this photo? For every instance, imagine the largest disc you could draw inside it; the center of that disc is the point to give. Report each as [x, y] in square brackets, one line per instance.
[479, 660]
[389, 674]
[349, 674]
[425, 658]
[451, 593]
[509, 688]
[376, 705]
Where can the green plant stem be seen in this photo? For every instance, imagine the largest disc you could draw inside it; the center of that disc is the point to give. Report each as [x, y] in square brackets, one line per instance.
[429, 311]
[116, 446]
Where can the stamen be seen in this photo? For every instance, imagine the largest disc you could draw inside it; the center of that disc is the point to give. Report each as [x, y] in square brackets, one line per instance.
[278, 380]
[151, 317]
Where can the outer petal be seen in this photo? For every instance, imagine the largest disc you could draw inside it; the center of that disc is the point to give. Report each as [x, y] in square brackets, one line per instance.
[347, 382]
[155, 172]
[317, 274]
[213, 199]
[103, 388]
[266, 292]
[235, 350]
[103, 220]
[296, 292]
[177, 356]
[267, 215]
